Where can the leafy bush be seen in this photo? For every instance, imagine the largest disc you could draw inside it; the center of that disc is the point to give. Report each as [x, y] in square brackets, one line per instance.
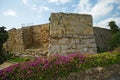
[115, 40]
[2, 59]
[5, 56]
[57, 66]
[3, 37]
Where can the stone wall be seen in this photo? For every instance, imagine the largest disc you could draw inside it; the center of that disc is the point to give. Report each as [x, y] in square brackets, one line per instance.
[36, 36]
[66, 33]
[15, 42]
[41, 36]
[28, 38]
[40, 39]
[71, 33]
[102, 37]
[97, 73]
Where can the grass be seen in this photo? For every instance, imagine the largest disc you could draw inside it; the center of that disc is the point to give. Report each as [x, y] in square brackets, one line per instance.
[17, 59]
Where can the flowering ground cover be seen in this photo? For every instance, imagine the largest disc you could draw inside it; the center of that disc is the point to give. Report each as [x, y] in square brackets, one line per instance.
[57, 66]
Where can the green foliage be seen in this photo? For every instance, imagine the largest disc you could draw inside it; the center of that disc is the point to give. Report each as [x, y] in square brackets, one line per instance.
[102, 60]
[17, 59]
[3, 37]
[2, 58]
[27, 59]
[100, 50]
[8, 55]
[58, 66]
[114, 28]
[115, 40]
[5, 56]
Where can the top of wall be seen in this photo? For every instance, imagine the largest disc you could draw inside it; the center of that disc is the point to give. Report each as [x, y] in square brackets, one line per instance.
[95, 27]
[26, 27]
[35, 26]
[63, 23]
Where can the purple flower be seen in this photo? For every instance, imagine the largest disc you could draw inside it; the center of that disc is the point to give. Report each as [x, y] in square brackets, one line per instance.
[1, 71]
[11, 68]
[46, 64]
[24, 67]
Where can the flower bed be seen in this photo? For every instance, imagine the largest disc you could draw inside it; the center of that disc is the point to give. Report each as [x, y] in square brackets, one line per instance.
[57, 66]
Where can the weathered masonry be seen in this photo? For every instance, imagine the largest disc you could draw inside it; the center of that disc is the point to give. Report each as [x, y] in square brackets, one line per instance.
[28, 39]
[71, 33]
[66, 33]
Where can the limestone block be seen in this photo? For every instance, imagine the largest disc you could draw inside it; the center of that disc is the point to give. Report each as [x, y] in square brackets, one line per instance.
[70, 24]
[64, 41]
[69, 36]
[65, 47]
[74, 46]
[85, 49]
[69, 51]
[91, 45]
[88, 36]
[54, 41]
[88, 41]
[75, 36]
[77, 41]
[91, 40]
[72, 41]
[55, 49]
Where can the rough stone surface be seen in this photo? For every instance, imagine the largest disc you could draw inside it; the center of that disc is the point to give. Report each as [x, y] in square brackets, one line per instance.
[102, 37]
[32, 37]
[72, 33]
[66, 33]
[15, 41]
[97, 73]
[62, 23]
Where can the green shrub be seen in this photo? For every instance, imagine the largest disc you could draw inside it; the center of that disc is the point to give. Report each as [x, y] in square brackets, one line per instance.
[115, 40]
[5, 56]
[2, 58]
[8, 55]
[17, 59]
[27, 59]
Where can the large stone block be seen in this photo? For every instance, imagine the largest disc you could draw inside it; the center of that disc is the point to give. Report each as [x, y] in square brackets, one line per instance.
[54, 49]
[62, 23]
[64, 41]
[74, 29]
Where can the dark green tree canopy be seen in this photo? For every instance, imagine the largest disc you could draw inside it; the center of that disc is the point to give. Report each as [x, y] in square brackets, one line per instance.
[115, 38]
[3, 37]
[114, 28]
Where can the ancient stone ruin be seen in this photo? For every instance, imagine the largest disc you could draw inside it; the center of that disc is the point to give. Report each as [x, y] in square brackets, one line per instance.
[66, 33]
[71, 33]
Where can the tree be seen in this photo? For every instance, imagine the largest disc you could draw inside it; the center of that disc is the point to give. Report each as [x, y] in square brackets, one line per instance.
[115, 38]
[114, 28]
[3, 37]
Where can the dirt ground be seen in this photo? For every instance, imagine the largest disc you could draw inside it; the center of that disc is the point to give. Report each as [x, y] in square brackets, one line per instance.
[6, 64]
